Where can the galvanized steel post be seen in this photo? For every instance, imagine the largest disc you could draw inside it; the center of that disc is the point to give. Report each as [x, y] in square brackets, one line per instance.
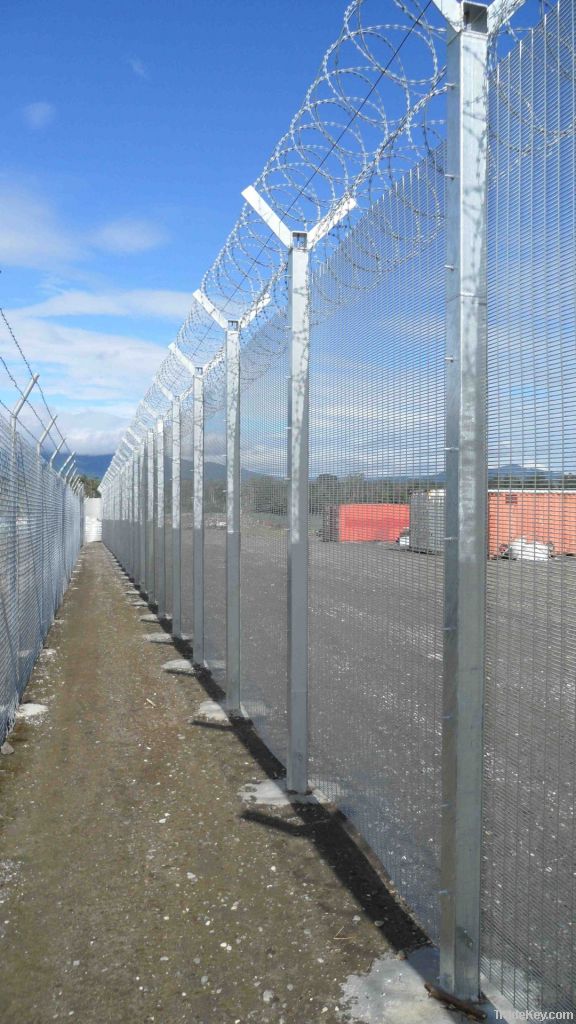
[176, 549]
[14, 631]
[297, 766]
[233, 695]
[198, 517]
[299, 244]
[150, 539]
[466, 498]
[143, 503]
[134, 523]
[160, 566]
[41, 484]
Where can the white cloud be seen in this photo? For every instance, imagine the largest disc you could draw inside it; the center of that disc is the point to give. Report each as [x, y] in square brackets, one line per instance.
[38, 115]
[90, 431]
[166, 305]
[127, 235]
[33, 236]
[93, 432]
[138, 67]
[30, 234]
[86, 366]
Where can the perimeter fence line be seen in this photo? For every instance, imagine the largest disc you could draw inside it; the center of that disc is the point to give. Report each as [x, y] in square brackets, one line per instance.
[41, 529]
[352, 484]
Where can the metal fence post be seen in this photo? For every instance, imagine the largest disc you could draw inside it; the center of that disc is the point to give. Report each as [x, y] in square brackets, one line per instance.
[297, 766]
[14, 631]
[134, 519]
[14, 566]
[41, 484]
[466, 499]
[233, 695]
[198, 517]
[160, 568]
[142, 500]
[150, 539]
[176, 548]
[299, 244]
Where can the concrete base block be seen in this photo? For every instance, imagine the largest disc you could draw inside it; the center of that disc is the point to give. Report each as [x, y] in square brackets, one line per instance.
[212, 712]
[158, 638]
[27, 711]
[179, 667]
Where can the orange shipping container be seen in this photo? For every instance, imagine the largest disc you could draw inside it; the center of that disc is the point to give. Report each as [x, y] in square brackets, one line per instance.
[372, 522]
[545, 516]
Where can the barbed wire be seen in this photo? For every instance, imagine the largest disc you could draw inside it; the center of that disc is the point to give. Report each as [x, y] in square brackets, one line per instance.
[372, 116]
[337, 144]
[22, 391]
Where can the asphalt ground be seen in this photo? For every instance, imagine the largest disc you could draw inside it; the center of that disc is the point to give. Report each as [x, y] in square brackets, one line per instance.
[376, 723]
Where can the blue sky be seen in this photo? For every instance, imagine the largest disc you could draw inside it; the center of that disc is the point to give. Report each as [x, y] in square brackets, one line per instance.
[130, 130]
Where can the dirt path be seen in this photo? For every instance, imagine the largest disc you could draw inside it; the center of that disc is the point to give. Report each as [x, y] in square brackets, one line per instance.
[135, 885]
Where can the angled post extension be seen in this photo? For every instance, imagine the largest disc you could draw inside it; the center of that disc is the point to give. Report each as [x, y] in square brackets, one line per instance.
[299, 245]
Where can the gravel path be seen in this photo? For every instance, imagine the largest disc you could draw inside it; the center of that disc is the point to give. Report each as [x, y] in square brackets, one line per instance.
[135, 885]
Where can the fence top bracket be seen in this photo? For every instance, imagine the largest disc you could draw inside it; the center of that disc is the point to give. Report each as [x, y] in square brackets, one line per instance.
[24, 398]
[458, 15]
[283, 232]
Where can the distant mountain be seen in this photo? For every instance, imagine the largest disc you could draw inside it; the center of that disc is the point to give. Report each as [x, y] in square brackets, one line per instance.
[90, 465]
[524, 472]
[215, 473]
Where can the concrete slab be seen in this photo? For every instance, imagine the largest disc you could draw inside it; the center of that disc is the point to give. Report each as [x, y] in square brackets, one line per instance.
[273, 793]
[31, 710]
[211, 711]
[179, 667]
[158, 638]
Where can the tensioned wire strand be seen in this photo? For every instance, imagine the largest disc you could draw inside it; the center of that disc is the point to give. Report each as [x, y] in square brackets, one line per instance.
[15, 384]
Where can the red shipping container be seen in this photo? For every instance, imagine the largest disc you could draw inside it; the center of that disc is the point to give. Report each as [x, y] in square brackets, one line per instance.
[545, 516]
[372, 522]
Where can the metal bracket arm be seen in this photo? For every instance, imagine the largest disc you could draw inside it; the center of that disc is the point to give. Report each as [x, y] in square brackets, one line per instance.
[21, 401]
[286, 236]
[65, 464]
[45, 435]
[55, 452]
[210, 308]
[184, 360]
[271, 219]
[332, 218]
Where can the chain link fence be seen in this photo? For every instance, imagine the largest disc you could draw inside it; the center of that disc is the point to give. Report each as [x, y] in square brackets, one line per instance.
[406, 492]
[41, 528]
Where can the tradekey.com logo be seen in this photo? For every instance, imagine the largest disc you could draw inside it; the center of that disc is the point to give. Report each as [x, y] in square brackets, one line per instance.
[536, 1015]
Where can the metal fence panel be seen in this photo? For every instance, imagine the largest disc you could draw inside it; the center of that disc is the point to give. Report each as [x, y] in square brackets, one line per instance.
[529, 890]
[8, 619]
[377, 437]
[168, 514]
[40, 537]
[28, 559]
[377, 525]
[186, 517]
[263, 556]
[159, 552]
[215, 522]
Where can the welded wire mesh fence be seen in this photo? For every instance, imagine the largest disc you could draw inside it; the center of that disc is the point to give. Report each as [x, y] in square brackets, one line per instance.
[529, 887]
[40, 537]
[369, 693]
[376, 440]
[214, 515]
